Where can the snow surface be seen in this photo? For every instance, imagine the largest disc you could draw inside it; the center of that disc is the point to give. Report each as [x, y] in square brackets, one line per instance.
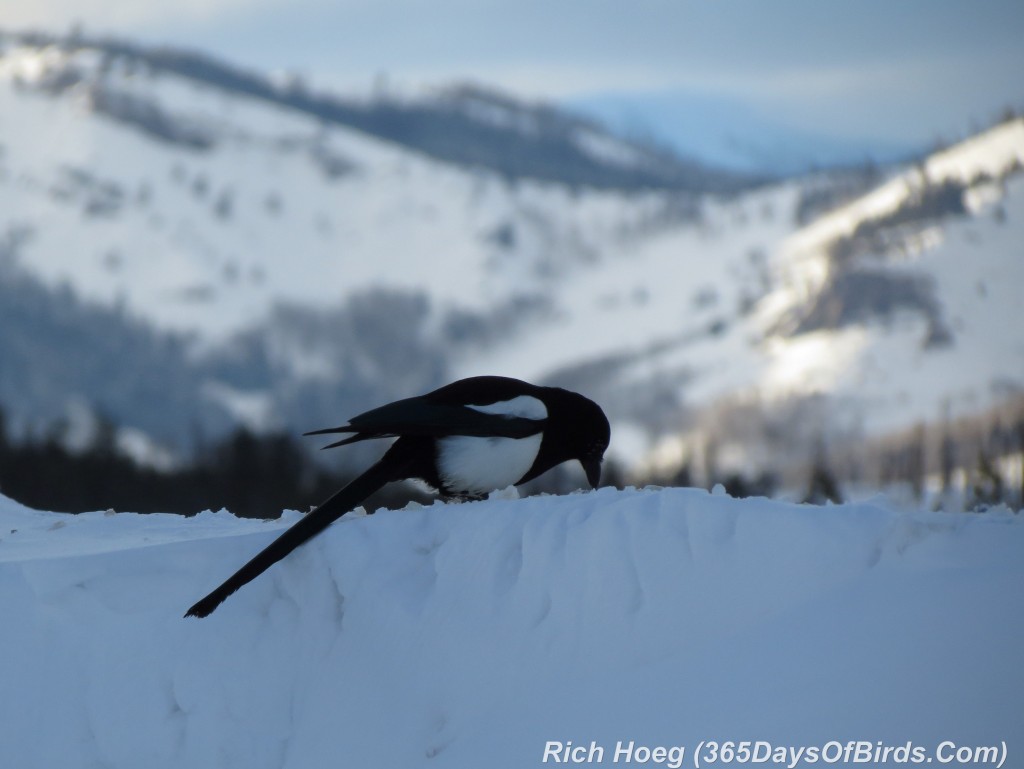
[469, 635]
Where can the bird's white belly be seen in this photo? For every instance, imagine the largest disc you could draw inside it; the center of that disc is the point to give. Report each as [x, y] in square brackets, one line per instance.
[476, 466]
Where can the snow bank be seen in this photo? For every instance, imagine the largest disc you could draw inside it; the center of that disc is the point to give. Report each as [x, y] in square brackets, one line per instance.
[471, 635]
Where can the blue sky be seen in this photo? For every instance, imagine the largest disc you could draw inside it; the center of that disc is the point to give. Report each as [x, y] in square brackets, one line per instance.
[898, 72]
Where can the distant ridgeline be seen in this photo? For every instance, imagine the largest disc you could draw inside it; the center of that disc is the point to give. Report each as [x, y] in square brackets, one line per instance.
[468, 126]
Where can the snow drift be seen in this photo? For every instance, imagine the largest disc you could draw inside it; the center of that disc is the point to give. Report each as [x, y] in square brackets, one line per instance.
[471, 635]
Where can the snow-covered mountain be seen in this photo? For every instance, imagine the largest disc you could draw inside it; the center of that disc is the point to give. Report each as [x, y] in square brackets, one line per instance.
[184, 245]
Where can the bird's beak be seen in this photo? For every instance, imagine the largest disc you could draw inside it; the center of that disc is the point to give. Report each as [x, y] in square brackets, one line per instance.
[592, 467]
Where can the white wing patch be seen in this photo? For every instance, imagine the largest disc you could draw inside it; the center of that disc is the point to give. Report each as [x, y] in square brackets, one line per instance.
[525, 406]
[476, 466]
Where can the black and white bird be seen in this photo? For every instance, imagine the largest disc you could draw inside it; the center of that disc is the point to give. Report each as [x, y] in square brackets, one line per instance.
[465, 439]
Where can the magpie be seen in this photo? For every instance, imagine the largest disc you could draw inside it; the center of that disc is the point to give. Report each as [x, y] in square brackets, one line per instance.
[465, 439]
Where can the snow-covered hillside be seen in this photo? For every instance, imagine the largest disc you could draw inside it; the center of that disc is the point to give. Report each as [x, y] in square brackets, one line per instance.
[279, 208]
[474, 634]
[935, 257]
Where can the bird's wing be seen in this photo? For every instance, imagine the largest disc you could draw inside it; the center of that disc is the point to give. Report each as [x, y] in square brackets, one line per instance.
[424, 417]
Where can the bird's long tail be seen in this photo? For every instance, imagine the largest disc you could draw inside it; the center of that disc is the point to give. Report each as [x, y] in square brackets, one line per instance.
[390, 467]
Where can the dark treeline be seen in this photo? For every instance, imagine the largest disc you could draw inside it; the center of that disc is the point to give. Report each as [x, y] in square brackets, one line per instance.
[255, 476]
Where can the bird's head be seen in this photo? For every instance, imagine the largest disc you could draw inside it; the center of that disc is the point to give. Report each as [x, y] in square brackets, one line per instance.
[587, 434]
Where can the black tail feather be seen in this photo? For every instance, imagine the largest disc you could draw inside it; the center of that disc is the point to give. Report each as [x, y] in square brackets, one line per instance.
[345, 441]
[390, 468]
[350, 439]
[329, 430]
